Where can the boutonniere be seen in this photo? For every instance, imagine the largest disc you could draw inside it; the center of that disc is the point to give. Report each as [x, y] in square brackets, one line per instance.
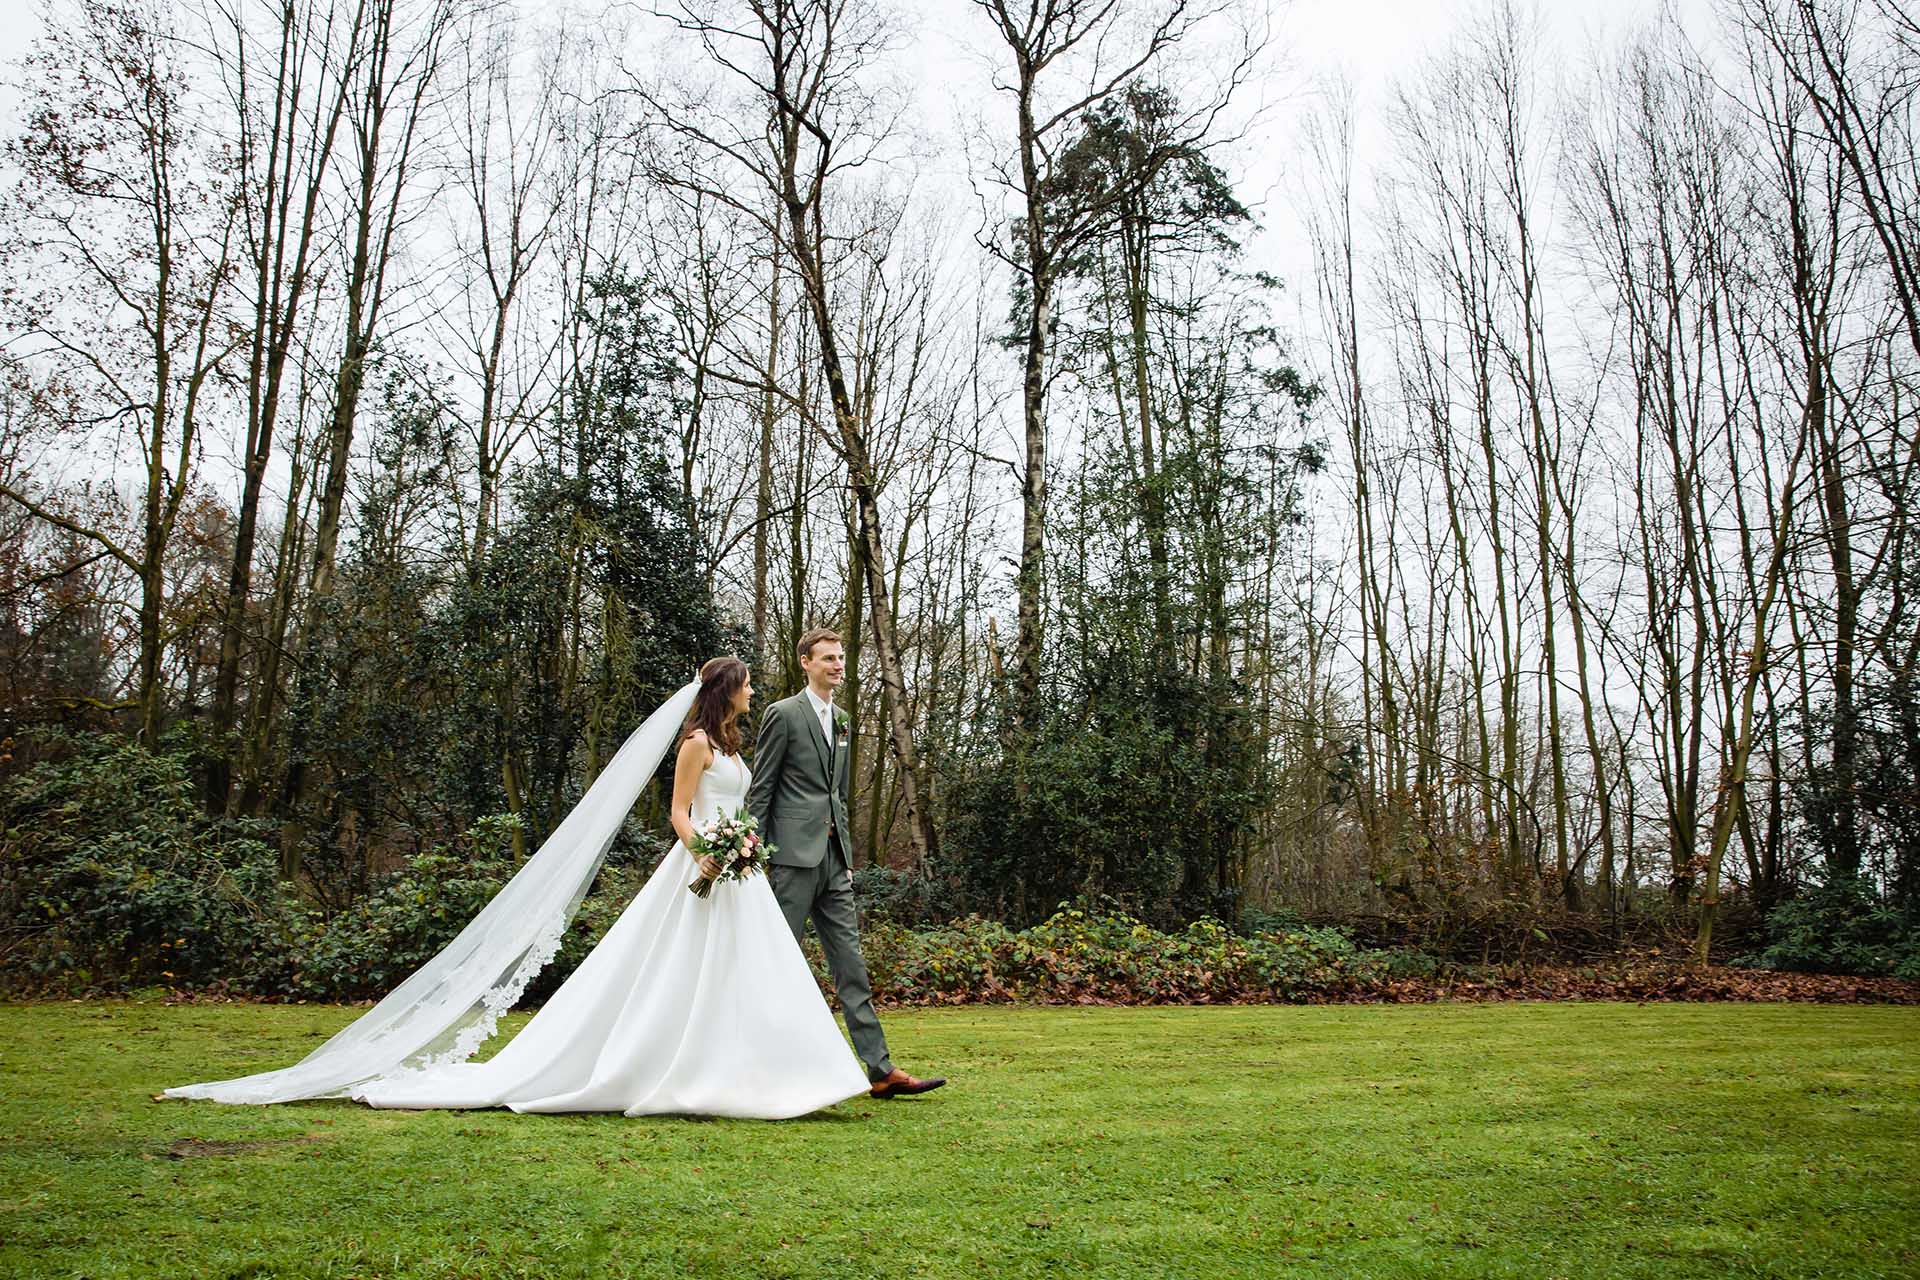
[840, 731]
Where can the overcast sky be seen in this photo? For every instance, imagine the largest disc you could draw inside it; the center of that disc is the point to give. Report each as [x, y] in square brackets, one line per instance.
[1371, 42]
[1371, 35]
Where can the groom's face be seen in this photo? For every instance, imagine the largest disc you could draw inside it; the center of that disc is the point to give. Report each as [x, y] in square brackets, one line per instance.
[826, 664]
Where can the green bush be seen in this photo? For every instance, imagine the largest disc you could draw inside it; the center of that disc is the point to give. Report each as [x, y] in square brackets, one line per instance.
[111, 874]
[1083, 810]
[114, 878]
[900, 897]
[1842, 926]
[1406, 962]
[369, 948]
[1260, 920]
[1105, 955]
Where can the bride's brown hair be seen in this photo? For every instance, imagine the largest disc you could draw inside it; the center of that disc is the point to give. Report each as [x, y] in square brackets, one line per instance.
[712, 711]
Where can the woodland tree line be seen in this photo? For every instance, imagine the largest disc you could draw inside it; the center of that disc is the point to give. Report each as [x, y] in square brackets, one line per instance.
[402, 396]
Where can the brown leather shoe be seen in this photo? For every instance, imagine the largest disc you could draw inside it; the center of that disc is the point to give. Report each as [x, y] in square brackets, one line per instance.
[898, 1084]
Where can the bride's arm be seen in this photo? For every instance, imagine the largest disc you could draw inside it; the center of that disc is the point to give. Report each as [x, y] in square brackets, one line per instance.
[695, 755]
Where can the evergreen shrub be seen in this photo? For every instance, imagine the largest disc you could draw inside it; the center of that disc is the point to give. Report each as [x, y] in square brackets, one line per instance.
[1842, 926]
[112, 875]
[1109, 956]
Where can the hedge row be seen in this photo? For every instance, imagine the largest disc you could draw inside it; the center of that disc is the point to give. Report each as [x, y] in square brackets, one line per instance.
[1109, 957]
[112, 878]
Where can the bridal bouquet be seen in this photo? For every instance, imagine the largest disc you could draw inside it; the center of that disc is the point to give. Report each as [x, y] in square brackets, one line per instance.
[734, 841]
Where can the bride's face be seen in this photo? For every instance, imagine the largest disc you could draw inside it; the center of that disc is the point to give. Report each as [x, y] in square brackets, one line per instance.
[743, 697]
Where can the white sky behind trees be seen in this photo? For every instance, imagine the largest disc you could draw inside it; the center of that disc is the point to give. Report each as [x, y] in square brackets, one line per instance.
[945, 66]
[1368, 41]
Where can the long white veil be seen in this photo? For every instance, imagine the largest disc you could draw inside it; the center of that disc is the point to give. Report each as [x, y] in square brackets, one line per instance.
[448, 1008]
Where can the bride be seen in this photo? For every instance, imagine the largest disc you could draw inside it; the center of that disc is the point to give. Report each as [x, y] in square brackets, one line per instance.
[687, 1005]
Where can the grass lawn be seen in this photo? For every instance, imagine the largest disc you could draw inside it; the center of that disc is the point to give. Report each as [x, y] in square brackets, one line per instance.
[1530, 1140]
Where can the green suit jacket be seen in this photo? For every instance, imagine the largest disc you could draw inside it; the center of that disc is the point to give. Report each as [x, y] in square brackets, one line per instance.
[800, 785]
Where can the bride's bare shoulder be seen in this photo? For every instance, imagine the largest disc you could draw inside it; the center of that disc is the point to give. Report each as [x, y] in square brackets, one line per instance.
[695, 745]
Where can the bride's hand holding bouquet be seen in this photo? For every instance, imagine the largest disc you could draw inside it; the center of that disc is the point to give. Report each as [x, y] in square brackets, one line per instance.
[730, 847]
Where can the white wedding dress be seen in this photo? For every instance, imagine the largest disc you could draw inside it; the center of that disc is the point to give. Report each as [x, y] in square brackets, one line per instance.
[687, 1005]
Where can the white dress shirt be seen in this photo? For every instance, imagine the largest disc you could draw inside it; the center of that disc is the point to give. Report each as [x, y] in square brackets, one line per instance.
[823, 712]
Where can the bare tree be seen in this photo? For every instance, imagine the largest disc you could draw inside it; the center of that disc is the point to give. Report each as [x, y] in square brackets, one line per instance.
[802, 62]
[385, 103]
[122, 234]
[505, 214]
[1855, 69]
[287, 87]
[1065, 60]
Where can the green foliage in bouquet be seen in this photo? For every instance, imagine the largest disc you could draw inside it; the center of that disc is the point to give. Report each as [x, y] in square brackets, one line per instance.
[734, 841]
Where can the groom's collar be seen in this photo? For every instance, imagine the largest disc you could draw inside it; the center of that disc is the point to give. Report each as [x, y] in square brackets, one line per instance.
[815, 701]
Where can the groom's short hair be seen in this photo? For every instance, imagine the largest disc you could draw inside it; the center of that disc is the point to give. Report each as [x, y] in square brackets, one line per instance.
[819, 635]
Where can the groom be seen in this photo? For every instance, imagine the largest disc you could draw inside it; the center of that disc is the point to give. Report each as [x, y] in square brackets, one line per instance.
[799, 797]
